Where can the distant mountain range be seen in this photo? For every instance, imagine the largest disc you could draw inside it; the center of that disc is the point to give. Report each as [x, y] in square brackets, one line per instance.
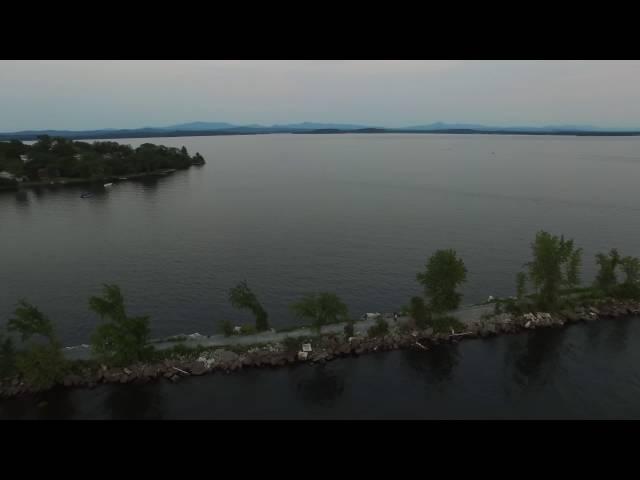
[223, 128]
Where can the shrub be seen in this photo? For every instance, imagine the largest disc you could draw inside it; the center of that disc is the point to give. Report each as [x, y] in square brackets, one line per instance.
[322, 309]
[380, 328]
[42, 365]
[227, 328]
[248, 330]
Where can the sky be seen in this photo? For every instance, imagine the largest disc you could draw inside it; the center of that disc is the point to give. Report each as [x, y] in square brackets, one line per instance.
[85, 95]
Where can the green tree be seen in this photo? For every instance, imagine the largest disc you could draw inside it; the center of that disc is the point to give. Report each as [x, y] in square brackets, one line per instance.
[7, 357]
[606, 279]
[444, 273]
[121, 340]
[30, 321]
[321, 309]
[555, 265]
[242, 297]
[42, 365]
[521, 286]
[419, 311]
[41, 361]
[630, 287]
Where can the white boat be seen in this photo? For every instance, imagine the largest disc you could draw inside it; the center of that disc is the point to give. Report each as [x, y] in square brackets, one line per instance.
[108, 184]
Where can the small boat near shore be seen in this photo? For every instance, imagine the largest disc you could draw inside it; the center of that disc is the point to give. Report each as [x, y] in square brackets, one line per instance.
[108, 184]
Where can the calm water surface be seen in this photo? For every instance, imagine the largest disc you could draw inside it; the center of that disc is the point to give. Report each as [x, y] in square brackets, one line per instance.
[354, 214]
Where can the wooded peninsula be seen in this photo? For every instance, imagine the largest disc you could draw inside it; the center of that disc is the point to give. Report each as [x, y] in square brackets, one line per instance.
[62, 161]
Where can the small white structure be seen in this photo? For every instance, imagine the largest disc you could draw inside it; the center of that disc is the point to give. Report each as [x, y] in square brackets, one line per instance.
[306, 347]
[303, 355]
[237, 329]
[7, 176]
[24, 158]
[490, 299]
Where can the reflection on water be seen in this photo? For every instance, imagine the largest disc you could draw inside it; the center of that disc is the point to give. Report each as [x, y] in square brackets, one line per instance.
[22, 198]
[435, 365]
[135, 401]
[619, 334]
[322, 385]
[54, 404]
[553, 373]
[535, 361]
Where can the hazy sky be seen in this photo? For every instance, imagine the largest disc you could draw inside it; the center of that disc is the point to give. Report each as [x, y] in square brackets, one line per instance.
[129, 94]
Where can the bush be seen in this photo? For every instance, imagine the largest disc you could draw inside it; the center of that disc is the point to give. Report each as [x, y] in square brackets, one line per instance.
[380, 328]
[42, 365]
[227, 328]
[248, 330]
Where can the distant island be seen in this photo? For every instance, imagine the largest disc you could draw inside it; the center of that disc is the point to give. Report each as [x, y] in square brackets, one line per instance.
[57, 160]
[220, 128]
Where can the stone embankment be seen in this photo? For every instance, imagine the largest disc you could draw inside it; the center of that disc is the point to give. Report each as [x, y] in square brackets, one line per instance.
[324, 349]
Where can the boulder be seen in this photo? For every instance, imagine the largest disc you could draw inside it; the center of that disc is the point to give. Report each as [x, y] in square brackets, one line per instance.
[197, 368]
[225, 356]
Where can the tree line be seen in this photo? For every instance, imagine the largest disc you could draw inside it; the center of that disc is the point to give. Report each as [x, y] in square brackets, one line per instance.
[60, 157]
[553, 276]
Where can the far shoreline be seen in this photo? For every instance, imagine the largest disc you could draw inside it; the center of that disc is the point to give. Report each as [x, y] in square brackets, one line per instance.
[137, 134]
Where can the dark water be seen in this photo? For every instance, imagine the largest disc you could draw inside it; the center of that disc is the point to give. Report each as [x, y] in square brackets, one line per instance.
[354, 214]
[291, 214]
[582, 372]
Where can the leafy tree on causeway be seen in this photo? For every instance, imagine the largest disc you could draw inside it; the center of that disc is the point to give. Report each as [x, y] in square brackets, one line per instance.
[555, 265]
[121, 340]
[443, 274]
[521, 286]
[7, 357]
[419, 311]
[606, 279]
[41, 361]
[242, 297]
[321, 309]
[630, 287]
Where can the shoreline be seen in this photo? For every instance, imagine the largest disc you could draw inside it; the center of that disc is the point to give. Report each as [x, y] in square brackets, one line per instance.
[326, 347]
[70, 182]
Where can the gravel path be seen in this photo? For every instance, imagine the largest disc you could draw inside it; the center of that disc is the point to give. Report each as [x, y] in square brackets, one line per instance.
[465, 315]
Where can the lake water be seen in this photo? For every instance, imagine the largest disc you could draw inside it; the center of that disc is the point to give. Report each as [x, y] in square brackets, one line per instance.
[587, 371]
[354, 214]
